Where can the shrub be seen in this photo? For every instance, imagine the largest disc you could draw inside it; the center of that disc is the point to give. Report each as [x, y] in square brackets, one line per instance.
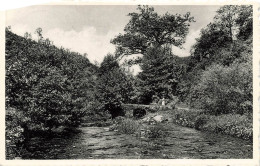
[96, 114]
[225, 89]
[172, 103]
[155, 131]
[230, 124]
[200, 121]
[127, 126]
[236, 125]
[14, 130]
[186, 117]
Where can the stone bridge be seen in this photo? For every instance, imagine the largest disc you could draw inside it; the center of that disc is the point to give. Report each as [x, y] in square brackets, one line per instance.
[129, 108]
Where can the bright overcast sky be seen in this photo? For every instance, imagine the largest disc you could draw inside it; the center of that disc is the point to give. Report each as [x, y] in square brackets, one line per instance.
[89, 29]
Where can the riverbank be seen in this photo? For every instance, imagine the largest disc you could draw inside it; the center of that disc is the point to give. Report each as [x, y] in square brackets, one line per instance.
[159, 134]
[236, 125]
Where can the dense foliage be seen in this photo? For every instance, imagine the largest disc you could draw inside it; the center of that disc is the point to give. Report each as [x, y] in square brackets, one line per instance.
[220, 78]
[228, 27]
[159, 76]
[113, 87]
[47, 87]
[153, 36]
[146, 29]
[230, 124]
[225, 89]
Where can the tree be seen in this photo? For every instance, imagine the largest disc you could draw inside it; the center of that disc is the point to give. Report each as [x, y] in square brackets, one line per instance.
[226, 19]
[222, 42]
[211, 37]
[245, 22]
[153, 35]
[230, 23]
[113, 87]
[146, 28]
[27, 35]
[159, 76]
[38, 31]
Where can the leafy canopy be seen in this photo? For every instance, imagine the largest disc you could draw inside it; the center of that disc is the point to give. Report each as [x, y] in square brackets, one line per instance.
[231, 23]
[113, 87]
[146, 28]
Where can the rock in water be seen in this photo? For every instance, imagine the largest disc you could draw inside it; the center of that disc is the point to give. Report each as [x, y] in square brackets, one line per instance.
[158, 118]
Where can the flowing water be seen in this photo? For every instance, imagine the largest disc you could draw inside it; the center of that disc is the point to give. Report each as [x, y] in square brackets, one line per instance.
[178, 143]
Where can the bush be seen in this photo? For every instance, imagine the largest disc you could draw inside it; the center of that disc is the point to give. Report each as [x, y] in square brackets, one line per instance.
[230, 124]
[155, 131]
[200, 121]
[236, 125]
[96, 115]
[186, 117]
[225, 89]
[152, 109]
[127, 126]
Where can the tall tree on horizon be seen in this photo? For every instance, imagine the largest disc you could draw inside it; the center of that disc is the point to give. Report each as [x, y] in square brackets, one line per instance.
[147, 29]
[231, 23]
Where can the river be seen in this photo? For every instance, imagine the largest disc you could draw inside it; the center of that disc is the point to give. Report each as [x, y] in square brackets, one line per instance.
[179, 143]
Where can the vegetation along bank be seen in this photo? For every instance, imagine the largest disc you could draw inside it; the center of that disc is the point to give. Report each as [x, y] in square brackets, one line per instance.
[51, 90]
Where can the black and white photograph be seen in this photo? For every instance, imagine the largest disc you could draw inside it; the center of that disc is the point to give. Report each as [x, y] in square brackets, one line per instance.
[129, 81]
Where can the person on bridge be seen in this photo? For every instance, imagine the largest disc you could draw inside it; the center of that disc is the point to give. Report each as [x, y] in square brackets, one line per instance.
[163, 101]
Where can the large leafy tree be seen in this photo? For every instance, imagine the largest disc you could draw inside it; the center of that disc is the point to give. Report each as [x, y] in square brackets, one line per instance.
[152, 35]
[226, 20]
[146, 28]
[231, 24]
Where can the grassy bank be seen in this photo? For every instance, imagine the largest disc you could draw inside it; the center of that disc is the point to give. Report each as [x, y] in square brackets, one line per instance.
[231, 124]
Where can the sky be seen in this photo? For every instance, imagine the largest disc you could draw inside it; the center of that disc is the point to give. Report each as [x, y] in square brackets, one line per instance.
[89, 28]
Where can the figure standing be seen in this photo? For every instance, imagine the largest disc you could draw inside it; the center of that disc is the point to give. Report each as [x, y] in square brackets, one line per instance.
[163, 101]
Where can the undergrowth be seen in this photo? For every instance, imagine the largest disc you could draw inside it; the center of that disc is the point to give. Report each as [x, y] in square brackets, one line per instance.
[231, 124]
